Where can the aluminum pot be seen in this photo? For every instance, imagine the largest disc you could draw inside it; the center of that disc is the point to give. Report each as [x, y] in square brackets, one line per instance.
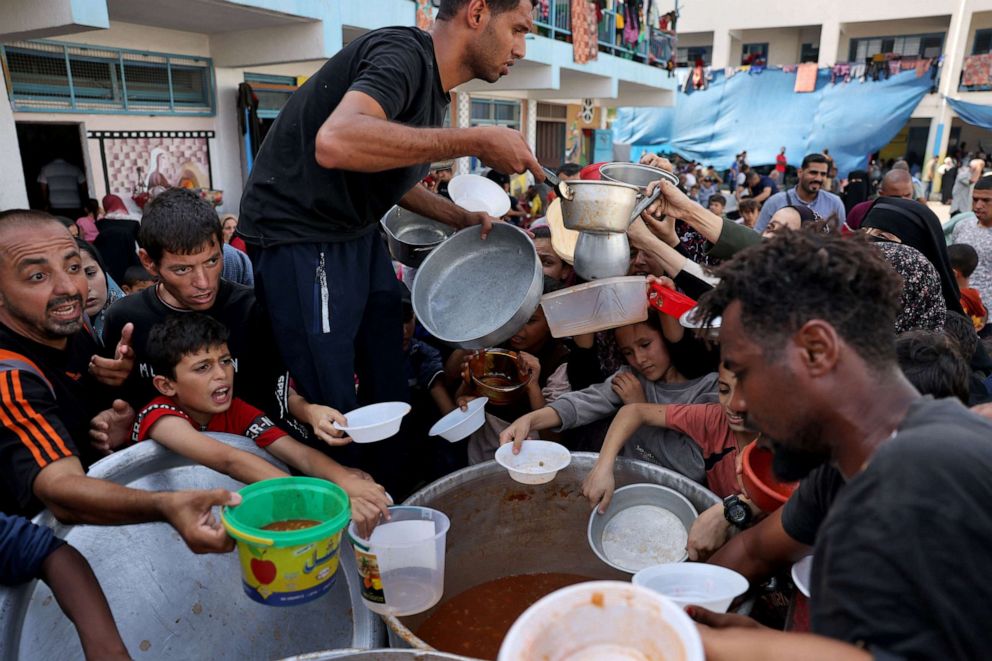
[170, 603]
[411, 237]
[602, 255]
[636, 174]
[474, 294]
[603, 206]
[502, 528]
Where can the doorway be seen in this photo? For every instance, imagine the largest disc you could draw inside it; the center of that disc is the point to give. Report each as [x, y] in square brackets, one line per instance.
[41, 143]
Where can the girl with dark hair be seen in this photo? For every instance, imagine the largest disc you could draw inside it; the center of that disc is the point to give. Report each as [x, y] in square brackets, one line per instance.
[102, 292]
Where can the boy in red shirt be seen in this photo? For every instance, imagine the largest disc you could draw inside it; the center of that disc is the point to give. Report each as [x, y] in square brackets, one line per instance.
[964, 261]
[194, 373]
[719, 431]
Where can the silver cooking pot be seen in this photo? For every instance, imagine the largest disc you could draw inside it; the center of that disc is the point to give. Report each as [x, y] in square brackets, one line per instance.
[411, 237]
[474, 294]
[603, 206]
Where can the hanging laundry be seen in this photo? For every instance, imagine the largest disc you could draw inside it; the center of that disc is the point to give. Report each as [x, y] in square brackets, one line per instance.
[729, 72]
[790, 68]
[858, 72]
[682, 76]
[757, 69]
[841, 71]
[894, 67]
[585, 35]
[632, 21]
[905, 64]
[922, 67]
[806, 78]
[425, 14]
[545, 10]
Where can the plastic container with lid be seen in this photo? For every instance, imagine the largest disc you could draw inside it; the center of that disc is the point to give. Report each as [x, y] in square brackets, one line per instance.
[694, 584]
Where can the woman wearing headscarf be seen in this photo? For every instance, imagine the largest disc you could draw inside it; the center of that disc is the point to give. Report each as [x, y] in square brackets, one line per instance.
[923, 306]
[118, 238]
[102, 291]
[913, 224]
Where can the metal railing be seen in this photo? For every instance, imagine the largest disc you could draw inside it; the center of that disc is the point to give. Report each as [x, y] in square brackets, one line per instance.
[557, 24]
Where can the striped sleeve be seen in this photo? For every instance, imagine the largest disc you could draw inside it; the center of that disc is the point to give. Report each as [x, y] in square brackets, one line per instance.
[32, 436]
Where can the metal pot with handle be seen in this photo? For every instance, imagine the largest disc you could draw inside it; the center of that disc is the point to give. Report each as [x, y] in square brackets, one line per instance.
[411, 237]
[604, 207]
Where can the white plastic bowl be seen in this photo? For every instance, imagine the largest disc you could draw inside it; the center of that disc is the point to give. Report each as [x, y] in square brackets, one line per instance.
[802, 573]
[474, 193]
[694, 584]
[600, 621]
[375, 422]
[596, 306]
[537, 463]
[459, 424]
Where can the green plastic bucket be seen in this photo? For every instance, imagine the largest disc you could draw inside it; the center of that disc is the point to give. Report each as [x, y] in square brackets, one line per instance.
[285, 568]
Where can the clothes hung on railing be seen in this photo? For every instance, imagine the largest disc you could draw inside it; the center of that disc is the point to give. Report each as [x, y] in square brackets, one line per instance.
[585, 32]
[806, 78]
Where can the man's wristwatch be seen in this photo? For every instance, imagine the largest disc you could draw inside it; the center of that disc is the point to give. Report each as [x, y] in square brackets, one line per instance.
[737, 513]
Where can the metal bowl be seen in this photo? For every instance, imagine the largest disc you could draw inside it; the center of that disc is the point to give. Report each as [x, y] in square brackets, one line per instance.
[636, 174]
[170, 603]
[411, 237]
[474, 294]
[632, 496]
[599, 206]
[602, 255]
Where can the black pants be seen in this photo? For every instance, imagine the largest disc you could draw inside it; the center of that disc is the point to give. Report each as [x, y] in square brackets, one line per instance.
[336, 313]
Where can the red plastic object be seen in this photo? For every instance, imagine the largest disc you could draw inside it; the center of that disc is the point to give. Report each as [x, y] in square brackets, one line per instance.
[591, 172]
[669, 301]
[759, 482]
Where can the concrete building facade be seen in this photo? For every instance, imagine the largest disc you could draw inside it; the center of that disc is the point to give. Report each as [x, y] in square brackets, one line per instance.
[115, 76]
[722, 34]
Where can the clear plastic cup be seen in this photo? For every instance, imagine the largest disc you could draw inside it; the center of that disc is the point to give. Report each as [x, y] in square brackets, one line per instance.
[401, 565]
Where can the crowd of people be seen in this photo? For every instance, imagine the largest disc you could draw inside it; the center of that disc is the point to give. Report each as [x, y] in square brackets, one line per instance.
[853, 351]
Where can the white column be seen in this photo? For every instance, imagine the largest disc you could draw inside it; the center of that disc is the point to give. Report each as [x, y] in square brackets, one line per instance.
[722, 45]
[530, 126]
[829, 44]
[227, 149]
[463, 119]
[950, 75]
[13, 193]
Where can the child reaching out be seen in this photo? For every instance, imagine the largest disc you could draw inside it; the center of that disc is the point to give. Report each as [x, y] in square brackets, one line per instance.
[194, 373]
[718, 429]
[652, 377]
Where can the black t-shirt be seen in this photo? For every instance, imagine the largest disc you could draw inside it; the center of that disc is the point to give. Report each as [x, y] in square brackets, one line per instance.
[45, 418]
[902, 550]
[289, 197]
[261, 379]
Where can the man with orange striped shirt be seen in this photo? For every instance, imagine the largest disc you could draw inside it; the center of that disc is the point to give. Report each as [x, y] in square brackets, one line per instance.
[50, 388]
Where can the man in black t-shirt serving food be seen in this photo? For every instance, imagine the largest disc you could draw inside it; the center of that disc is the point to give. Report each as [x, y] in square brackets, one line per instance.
[897, 507]
[354, 140]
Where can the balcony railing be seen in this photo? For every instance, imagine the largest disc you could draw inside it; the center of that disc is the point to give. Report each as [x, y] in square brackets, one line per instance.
[653, 47]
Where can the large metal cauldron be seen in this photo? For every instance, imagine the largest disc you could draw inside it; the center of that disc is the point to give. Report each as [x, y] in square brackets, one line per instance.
[170, 603]
[502, 528]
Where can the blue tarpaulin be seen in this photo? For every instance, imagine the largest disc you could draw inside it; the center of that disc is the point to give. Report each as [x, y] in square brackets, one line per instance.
[761, 113]
[973, 113]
